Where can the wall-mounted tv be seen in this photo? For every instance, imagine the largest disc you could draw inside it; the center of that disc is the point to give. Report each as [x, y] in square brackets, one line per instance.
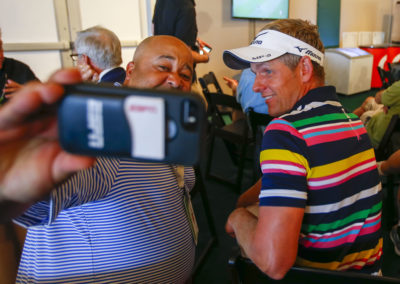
[260, 9]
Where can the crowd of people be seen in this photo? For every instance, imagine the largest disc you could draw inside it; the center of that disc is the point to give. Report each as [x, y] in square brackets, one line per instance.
[318, 202]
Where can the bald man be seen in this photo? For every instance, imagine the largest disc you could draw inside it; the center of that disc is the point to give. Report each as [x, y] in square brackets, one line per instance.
[120, 220]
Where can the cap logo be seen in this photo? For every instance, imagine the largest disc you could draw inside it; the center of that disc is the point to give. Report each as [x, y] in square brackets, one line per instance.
[259, 42]
[261, 56]
[312, 54]
[308, 52]
[300, 49]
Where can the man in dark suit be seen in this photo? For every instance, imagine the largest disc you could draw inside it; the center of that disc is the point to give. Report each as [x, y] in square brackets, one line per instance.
[98, 56]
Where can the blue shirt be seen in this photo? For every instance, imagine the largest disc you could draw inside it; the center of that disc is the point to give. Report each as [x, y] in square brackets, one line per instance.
[246, 96]
[120, 221]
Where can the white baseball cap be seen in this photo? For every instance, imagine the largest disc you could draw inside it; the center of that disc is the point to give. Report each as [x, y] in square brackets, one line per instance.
[268, 45]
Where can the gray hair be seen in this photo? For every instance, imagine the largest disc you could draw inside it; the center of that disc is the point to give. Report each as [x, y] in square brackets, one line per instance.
[101, 45]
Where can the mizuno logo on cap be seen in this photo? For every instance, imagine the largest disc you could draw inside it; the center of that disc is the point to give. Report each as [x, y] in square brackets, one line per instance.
[300, 48]
[308, 52]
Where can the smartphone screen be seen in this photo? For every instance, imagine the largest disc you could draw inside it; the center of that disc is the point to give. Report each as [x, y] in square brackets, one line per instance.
[206, 49]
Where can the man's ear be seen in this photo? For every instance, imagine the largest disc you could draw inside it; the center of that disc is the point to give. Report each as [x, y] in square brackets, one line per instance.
[306, 69]
[87, 59]
[129, 70]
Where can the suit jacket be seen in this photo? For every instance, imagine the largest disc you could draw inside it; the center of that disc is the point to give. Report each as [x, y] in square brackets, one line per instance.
[115, 75]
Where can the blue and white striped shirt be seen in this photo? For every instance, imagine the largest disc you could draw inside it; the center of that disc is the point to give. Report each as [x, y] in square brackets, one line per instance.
[118, 222]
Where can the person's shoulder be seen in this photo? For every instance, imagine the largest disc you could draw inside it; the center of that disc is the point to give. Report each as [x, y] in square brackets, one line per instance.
[12, 61]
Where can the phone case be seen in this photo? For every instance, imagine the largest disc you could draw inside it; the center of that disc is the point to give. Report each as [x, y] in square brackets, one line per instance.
[147, 125]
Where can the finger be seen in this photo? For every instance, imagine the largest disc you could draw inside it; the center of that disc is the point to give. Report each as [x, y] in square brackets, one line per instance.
[28, 101]
[8, 90]
[66, 76]
[66, 164]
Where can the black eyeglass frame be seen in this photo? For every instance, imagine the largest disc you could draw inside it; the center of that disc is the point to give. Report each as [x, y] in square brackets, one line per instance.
[75, 56]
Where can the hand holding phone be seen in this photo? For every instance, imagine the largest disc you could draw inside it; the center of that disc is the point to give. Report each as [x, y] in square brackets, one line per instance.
[147, 125]
[205, 49]
[203, 46]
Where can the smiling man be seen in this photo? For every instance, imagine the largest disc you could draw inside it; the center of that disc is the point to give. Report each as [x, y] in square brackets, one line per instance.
[120, 221]
[318, 203]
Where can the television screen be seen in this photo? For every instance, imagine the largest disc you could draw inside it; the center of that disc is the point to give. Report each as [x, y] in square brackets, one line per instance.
[260, 9]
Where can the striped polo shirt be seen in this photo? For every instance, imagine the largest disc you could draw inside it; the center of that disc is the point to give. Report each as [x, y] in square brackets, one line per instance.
[118, 222]
[319, 157]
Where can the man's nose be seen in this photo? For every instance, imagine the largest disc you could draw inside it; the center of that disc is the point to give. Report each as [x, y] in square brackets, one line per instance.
[258, 86]
[173, 80]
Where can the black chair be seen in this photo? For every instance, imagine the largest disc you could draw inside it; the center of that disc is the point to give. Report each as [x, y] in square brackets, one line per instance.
[394, 69]
[234, 133]
[243, 271]
[386, 77]
[388, 146]
[385, 147]
[199, 188]
[210, 79]
[209, 84]
[258, 122]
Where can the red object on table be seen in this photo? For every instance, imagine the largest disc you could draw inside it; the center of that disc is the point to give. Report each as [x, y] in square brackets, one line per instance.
[393, 54]
[379, 52]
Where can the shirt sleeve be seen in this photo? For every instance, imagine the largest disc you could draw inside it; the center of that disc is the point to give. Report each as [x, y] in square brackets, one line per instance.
[85, 186]
[284, 166]
[391, 96]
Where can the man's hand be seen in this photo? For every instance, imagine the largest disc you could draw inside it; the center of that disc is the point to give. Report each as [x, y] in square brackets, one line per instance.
[231, 83]
[88, 73]
[11, 87]
[31, 159]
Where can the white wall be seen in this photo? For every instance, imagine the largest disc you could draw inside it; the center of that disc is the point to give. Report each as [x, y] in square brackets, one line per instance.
[218, 28]
[215, 24]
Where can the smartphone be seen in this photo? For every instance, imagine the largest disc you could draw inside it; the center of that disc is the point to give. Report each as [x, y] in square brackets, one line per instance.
[206, 49]
[146, 125]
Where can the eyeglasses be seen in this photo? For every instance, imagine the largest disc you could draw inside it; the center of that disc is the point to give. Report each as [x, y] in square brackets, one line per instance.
[74, 56]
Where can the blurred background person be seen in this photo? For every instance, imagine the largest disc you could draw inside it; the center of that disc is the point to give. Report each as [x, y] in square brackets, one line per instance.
[97, 53]
[13, 74]
[178, 18]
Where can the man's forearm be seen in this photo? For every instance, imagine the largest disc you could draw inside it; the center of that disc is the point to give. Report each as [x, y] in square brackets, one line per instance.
[244, 224]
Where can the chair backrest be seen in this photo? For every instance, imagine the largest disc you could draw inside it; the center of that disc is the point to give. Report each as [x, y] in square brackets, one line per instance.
[394, 69]
[258, 122]
[210, 79]
[257, 119]
[244, 271]
[206, 82]
[222, 106]
[384, 149]
[386, 77]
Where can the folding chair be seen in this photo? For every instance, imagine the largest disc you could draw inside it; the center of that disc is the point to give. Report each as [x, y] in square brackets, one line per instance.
[233, 133]
[384, 150]
[213, 240]
[209, 82]
[386, 77]
[258, 122]
[394, 69]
